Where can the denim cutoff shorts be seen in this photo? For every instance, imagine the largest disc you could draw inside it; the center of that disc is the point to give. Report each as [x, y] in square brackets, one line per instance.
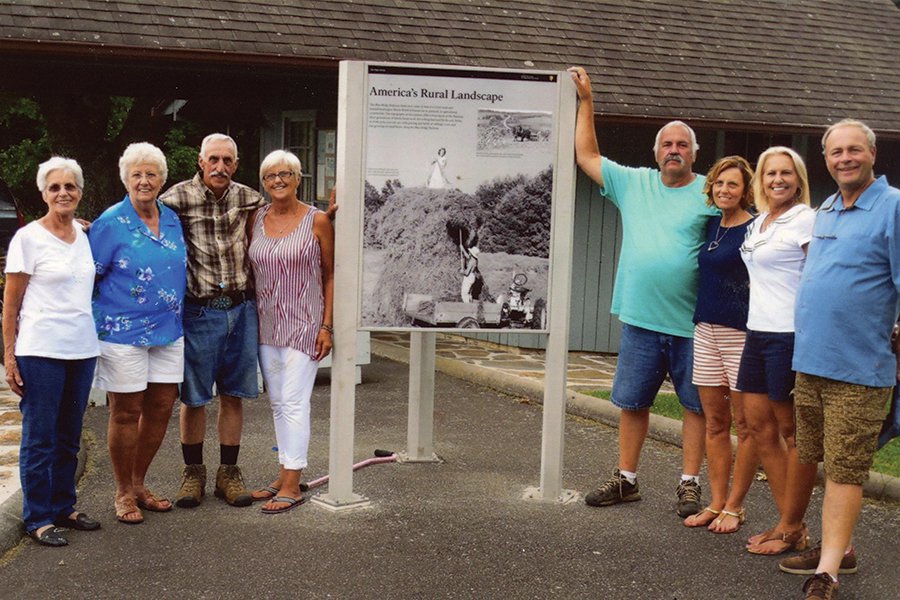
[220, 348]
[645, 358]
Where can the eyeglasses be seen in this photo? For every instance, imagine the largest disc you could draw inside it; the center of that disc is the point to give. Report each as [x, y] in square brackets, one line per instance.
[283, 175]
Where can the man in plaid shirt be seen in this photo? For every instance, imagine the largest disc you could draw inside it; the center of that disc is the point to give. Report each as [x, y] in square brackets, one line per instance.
[220, 322]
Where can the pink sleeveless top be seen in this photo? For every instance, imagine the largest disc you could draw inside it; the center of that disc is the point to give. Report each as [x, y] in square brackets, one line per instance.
[288, 273]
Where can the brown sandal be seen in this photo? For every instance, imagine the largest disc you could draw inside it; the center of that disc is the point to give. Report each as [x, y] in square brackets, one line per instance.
[797, 541]
[154, 503]
[126, 505]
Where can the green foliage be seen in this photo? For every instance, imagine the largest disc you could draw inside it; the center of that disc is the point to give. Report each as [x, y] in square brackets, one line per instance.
[181, 157]
[887, 460]
[23, 145]
[120, 106]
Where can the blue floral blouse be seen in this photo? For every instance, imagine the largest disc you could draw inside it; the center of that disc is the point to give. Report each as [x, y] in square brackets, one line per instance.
[141, 278]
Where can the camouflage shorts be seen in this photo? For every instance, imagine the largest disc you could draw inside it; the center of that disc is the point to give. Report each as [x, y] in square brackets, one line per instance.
[838, 423]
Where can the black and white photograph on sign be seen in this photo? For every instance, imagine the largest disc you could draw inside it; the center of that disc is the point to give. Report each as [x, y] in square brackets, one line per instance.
[458, 199]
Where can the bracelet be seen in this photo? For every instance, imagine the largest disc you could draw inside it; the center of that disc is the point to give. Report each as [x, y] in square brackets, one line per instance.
[328, 328]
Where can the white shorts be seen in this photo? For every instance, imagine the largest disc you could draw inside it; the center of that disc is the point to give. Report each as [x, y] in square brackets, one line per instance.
[717, 355]
[123, 369]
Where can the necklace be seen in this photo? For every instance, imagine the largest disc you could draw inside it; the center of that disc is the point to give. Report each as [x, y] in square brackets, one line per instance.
[287, 223]
[715, 243]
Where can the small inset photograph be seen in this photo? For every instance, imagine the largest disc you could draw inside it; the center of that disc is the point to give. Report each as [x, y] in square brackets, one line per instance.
[512, 130]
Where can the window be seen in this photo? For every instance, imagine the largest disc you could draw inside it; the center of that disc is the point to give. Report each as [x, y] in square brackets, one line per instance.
[299, 137]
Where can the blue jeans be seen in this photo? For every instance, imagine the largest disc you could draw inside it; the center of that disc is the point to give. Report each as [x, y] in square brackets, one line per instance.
[220, 348]
[645, 358]
[56, 394]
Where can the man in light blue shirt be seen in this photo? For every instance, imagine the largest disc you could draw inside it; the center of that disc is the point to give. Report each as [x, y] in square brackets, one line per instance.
[664, 215]
[847, 304]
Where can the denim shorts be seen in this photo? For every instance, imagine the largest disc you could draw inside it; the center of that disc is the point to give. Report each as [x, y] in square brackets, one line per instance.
[766, 365]
[645, 358]
[220, 348]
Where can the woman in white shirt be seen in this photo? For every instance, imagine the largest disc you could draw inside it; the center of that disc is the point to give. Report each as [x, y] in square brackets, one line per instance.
[50, 349]
[775, 252]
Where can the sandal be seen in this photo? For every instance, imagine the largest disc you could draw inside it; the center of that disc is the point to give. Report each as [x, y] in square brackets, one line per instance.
[126, 505]
[708, 509]
[739, 515]
[797, 540]
[154, 503]
[760, 537]
[269, 491]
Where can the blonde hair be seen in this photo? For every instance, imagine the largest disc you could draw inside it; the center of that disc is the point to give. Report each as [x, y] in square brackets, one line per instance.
[759, 193]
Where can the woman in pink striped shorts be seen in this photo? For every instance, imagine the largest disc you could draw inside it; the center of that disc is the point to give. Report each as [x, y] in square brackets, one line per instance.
[721, 323]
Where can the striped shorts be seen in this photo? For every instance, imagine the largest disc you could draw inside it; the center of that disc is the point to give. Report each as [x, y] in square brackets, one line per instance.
[717, 355]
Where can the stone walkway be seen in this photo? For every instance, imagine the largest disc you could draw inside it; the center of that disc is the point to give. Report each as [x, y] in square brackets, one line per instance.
[587, 371]
[10, 435]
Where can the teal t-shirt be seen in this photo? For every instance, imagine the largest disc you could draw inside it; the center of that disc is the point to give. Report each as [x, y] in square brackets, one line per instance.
[663, 230]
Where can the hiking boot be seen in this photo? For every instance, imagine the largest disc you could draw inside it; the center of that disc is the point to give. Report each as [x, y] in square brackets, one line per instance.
[193, 486]
[820, 587]
[688, 493]
[807, 562]
[230, 486]
[616, 489]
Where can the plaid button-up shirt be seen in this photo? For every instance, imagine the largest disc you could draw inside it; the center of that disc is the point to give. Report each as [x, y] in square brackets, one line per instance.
[215, 232]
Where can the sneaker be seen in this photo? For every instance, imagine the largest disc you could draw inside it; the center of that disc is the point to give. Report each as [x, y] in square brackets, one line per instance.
[820, 587]
[616, 489]
[807, 562]
[193, 486]
[688, 493]
[230, 486]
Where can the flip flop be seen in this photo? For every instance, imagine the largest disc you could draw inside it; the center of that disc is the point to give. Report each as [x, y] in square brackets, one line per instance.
[154, 503]
[291, 503]
[272, 492]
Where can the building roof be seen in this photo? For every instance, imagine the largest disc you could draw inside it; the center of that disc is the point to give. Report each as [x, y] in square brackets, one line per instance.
[754, 63]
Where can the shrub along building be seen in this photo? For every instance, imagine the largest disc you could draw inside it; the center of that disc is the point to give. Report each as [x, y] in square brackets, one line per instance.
[746, 75]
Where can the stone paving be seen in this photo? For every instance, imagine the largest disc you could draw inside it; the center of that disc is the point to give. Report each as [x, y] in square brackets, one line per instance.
[586, 371]
[10, 435]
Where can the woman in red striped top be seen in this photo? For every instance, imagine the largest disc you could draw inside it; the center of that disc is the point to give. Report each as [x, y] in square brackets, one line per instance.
[292, 253]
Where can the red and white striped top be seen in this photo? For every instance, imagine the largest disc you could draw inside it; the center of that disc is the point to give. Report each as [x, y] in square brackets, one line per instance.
[288, 273]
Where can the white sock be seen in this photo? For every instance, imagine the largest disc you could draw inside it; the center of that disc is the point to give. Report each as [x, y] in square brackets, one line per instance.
[695, 478]
[628, 475]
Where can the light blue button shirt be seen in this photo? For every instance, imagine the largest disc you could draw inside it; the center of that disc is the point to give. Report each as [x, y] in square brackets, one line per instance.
[849, 293]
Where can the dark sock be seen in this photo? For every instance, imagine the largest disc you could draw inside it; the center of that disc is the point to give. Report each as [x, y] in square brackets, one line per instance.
[192, 453]
[229, 454]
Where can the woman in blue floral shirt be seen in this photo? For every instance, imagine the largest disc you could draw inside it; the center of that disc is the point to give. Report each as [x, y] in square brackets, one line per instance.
[140, 256]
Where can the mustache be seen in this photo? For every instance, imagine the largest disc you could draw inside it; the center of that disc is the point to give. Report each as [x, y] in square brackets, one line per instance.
[675, 157]
[219, 174]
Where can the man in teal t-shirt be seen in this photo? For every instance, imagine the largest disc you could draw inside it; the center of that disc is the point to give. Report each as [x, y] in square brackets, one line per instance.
[664, 216]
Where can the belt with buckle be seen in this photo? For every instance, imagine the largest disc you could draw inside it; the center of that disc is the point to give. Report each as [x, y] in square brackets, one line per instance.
[222, 301]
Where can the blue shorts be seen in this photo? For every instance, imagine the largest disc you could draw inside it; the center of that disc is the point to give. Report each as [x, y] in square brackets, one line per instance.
[766, 365]
[220, 347]
[645, 358]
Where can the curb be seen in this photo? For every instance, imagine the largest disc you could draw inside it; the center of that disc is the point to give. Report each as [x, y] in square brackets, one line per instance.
[12, 529]
[879, 486]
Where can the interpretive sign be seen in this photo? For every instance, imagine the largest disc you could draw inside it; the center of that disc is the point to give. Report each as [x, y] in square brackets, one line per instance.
[459, 167]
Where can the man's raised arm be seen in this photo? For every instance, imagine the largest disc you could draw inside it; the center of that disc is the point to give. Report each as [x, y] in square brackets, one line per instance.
[587, 151]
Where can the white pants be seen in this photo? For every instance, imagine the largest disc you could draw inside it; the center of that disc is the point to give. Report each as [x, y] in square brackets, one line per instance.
[289, 375]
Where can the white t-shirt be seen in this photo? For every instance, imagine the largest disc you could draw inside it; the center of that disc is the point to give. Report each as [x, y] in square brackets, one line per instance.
[55, 320]
[774, 260]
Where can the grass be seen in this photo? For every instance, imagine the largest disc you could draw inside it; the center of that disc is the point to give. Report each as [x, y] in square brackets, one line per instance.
[887, 460]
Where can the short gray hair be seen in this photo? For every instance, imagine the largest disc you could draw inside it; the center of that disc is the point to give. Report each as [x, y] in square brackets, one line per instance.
[58, 163]
[142, 152]
[867, 131]
[278, 157]
[694, 145]
[217, 137]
